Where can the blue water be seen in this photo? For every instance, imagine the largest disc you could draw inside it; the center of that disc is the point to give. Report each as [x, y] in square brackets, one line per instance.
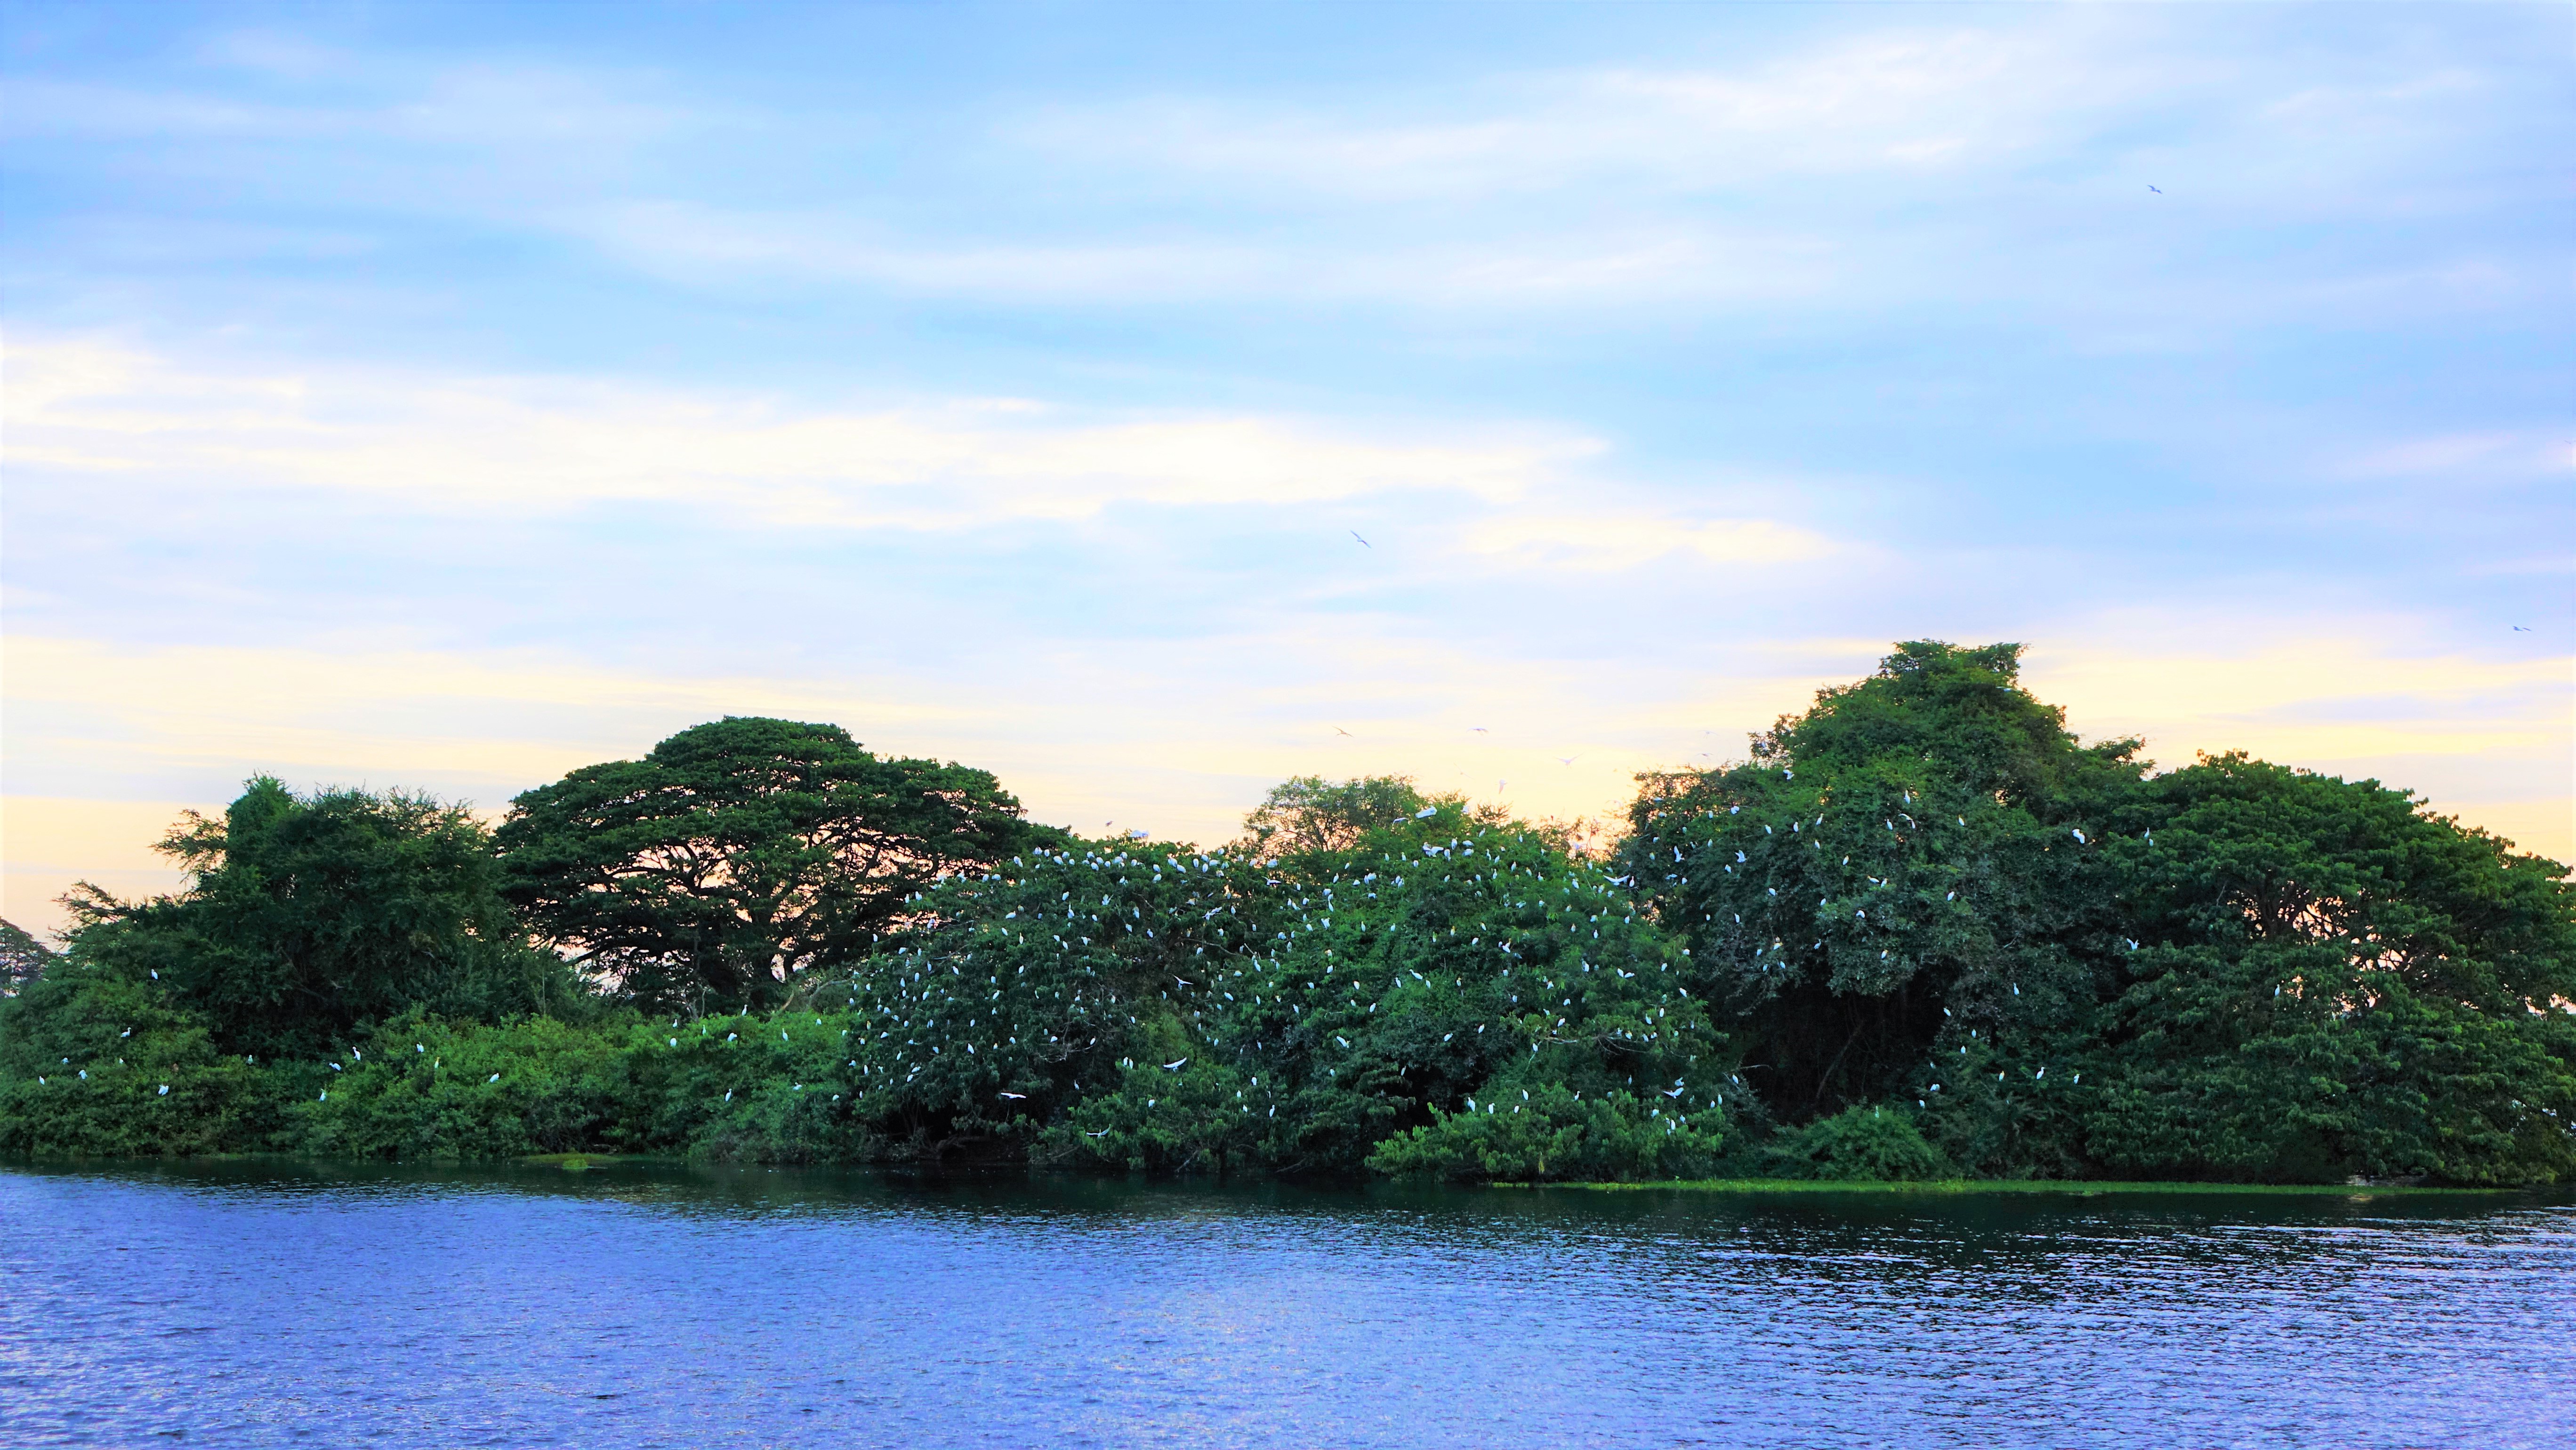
[240, 1305]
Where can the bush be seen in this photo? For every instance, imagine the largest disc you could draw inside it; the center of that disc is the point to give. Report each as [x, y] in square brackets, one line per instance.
[1869, 1142]
[1553, 1134]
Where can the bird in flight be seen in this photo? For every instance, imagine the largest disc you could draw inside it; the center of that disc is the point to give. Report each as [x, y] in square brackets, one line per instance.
[1479, 729]
[1567, 759]
[1016, 1097]
[1672, 1092]
[1365, 544]
[1338, 730]
[2522, 629]
[1103, 1133]
[1174, 1066]
[2158, 190]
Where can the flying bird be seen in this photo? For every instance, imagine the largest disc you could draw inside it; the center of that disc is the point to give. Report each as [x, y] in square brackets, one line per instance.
[1365, 544]
[1016, 1097]
[1338, 730]
[2522, 629]
[1672, 1092]
[1174, 1066]
[2158, 190]
[1567, 759]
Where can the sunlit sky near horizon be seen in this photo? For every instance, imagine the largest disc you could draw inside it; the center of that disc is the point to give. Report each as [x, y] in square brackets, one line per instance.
[450, 396]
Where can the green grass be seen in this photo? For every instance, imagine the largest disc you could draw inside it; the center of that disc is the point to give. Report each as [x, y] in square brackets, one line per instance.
[1954, 1186]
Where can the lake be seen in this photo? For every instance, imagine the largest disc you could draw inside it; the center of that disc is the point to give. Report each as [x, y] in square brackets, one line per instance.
[259, 1304]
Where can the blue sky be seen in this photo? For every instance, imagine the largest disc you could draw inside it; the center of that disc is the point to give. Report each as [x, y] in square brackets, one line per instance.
[450, 396]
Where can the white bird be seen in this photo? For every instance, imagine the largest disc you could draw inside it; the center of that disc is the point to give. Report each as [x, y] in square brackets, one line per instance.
[496, 1077]
[1365, 544]
[1426, 813]
[1103, 1133]
[1338, 730]
[165, 1091]
[1672, 1092]
[2079, 837]
[1016, 1097]
[1174, 1066]
[1568, 759]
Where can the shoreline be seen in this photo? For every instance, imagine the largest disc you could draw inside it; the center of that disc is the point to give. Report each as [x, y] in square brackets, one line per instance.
[2083, 1188]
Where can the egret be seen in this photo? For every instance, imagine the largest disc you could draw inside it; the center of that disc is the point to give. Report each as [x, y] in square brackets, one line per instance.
[1016, 1097]
[1174, 1066]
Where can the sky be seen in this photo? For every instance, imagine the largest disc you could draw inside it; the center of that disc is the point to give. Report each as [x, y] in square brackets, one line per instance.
[1148, 403]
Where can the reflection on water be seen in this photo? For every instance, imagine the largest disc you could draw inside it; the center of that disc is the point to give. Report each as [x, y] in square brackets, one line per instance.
[256, 1305]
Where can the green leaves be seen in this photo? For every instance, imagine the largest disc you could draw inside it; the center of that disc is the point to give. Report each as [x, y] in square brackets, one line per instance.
[741, 854]
[2333, 982]
[1912, 867]
[1924, 927]
[309, 916]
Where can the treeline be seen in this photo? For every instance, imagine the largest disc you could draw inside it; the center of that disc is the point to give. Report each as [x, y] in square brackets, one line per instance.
[1923, 931]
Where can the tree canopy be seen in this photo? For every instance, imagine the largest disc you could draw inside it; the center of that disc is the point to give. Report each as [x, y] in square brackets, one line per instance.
[740, 854]
[305, 917]
[22, 957]
[1922, 930]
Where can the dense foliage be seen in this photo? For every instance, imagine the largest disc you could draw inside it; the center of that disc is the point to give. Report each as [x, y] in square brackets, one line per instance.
[306, 917]
[1923, 931]
[740, 854]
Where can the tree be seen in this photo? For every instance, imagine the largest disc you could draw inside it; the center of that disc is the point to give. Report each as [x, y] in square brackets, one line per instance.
[22, 958]
[1308, 813]
[308, 917]
[2330, 980]
[1901, 896]
[740, 854]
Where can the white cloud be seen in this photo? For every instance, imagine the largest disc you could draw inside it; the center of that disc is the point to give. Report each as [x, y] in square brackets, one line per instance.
[94, 412]
[1898, 101]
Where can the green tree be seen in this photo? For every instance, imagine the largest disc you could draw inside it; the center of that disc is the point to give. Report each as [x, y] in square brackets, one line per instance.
[306, 917]
[740, 854]
[1153, 1007]
[98, 1061]
[22, 958]
[1307, 813]
[2330, 980]
[1902, 896]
